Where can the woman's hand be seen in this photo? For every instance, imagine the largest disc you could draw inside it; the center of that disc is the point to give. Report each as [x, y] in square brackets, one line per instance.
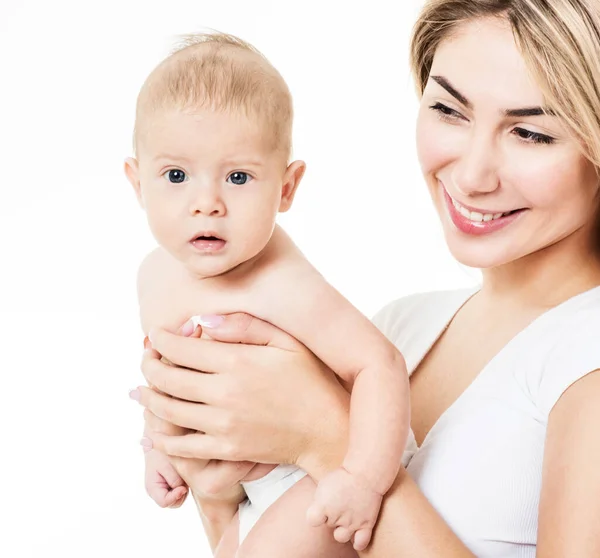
[273, 402]
[209, 480]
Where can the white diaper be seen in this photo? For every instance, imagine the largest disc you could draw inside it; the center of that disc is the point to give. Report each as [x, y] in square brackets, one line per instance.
[263, 492]
[410, 449]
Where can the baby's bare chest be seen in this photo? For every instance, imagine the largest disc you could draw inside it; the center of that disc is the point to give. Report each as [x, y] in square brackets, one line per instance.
[172, 295]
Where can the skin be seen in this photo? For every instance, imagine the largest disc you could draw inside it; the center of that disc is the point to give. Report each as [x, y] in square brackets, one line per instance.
[212, 173]
[238, 177]
[541, 260]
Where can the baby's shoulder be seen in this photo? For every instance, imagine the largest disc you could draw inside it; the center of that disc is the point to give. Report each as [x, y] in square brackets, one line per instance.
[150, 268]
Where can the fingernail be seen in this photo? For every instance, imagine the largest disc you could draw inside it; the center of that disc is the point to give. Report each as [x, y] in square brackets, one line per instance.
[135, 394]
[211, 321]
[146, 443]
[188, 328]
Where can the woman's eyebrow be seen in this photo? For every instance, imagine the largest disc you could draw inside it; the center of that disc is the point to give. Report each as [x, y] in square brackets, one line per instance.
[520, 112]
[531, 111]
[443, 82]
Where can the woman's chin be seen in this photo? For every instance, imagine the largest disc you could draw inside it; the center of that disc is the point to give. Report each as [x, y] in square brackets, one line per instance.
[478, 255]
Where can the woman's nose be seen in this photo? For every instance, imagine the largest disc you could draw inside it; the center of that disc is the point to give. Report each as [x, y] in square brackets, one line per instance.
[475, 169]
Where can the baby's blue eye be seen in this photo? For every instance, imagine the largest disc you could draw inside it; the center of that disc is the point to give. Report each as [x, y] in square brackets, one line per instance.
[238, 178]
[176, 176]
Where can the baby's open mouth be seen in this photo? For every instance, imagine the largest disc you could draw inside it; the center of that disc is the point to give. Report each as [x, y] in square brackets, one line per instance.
[208, 243]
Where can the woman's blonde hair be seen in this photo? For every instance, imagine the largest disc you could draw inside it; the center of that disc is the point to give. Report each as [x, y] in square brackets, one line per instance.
[559, 40]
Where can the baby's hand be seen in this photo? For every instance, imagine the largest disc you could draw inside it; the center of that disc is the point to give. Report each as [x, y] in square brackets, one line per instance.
[348, 505]
[163, 483]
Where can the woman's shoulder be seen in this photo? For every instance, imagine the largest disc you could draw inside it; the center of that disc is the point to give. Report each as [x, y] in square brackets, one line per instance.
[420, 314]
[564, 351]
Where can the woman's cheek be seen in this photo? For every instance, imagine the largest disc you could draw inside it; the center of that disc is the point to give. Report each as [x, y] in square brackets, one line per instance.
[542, 180]
[438, 143]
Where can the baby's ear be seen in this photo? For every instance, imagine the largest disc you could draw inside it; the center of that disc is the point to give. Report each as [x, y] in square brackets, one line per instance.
[132, 172]
[291, 180]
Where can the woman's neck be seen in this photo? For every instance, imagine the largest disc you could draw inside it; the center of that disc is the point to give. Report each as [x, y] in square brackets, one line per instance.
[545, 278]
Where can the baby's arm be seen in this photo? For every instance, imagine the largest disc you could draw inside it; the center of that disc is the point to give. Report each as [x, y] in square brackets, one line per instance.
[297, 299]
[163, 484]
[165, 301]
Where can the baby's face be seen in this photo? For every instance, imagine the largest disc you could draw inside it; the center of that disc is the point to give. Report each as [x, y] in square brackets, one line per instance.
[211, 185]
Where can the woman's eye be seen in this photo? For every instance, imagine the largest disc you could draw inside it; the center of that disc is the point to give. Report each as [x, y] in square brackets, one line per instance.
[239, 178]
[445, 113]
[533, 137]
[175, 176]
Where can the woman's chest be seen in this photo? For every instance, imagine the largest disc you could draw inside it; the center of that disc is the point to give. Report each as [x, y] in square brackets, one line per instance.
[481, 468]
[467, 348]
[448, 369]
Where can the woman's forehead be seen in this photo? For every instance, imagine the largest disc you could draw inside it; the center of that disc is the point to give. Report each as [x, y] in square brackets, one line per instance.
[483, 62]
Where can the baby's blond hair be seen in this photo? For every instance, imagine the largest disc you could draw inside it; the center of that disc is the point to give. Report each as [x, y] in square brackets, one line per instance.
[219, 72]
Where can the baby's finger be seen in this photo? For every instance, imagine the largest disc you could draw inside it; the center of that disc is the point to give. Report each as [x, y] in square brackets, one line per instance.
[362, 537]
[316, 516]
[176, 497]
[342, 534]
[158, 493]
[172, 477]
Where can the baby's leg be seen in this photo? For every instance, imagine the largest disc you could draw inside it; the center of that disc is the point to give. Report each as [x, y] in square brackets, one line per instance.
[229, 541]
[283, 532]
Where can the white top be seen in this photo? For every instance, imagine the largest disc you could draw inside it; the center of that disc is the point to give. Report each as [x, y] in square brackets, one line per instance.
[480, 465]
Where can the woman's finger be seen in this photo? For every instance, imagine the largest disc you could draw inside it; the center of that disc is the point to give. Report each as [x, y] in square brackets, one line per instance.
[244, 328]
[180, 413]
[177, 382]
[162, 426]
[196, 446]
[196, 354]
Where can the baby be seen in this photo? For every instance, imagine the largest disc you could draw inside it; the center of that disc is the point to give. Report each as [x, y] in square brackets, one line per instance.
[212, 145]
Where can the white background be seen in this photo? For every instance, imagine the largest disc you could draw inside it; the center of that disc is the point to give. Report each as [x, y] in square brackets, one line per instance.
[71, 234]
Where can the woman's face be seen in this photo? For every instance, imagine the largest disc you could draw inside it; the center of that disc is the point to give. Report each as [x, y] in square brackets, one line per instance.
[506, 179]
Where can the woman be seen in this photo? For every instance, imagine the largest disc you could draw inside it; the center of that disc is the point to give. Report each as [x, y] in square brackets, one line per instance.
[505, 383]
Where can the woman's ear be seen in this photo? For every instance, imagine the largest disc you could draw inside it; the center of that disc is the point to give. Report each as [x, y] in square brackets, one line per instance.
[132, 172]
[291, 180]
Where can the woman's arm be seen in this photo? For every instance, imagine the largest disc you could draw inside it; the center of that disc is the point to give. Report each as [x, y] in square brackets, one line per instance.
[408, 525]
[569, 520]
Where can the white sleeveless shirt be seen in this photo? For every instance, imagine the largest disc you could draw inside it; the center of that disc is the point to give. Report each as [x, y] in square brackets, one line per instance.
[480, 465]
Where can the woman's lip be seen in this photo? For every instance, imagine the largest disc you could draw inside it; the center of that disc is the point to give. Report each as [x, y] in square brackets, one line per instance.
[477, 227]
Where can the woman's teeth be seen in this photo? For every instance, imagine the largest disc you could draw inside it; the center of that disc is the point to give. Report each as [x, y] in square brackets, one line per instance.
[475, 216]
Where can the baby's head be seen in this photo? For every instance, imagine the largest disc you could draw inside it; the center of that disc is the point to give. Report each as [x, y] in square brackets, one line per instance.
[212, 143]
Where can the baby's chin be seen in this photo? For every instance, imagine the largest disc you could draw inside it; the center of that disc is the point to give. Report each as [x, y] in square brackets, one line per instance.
[210, 266]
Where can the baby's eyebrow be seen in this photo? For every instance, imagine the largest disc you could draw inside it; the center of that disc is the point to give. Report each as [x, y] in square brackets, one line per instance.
[241, 162]
[169, 157]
